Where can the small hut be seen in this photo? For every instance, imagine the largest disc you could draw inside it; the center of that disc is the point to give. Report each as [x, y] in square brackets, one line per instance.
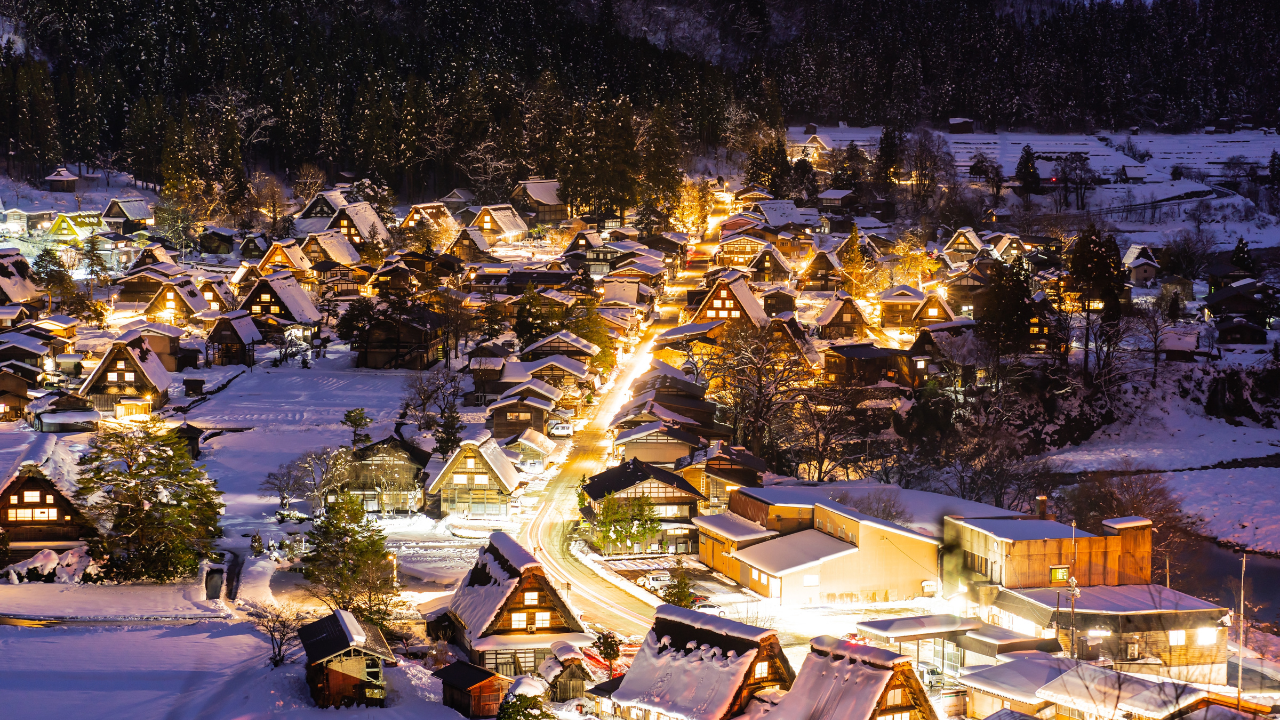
[190, 435]
[344, 661]
[62, 181]
[565, 673]
[232, 340]
[472, 690]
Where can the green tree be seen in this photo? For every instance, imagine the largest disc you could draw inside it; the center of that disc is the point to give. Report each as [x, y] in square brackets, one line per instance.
[680, 591]
[518, 706]
[160, 510]
[94, 264]
[1027, 175]
[609, 646]
[644, 523]
[1096, 274]
[448, 434]
[233, 184]
[587, 324]
[357, 421]
[348, 567]
[660, 172]
[884, 170]
[1242, 258]
[51, 274]
[356, 323]
[1007, 314]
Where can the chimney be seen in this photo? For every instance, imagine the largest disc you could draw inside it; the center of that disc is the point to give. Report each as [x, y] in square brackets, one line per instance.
[1042, 506]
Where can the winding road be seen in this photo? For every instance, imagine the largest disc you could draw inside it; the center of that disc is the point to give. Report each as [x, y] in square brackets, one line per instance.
[551, 530]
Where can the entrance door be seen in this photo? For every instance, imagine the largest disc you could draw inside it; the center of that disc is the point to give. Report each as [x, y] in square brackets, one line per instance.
[775, 587]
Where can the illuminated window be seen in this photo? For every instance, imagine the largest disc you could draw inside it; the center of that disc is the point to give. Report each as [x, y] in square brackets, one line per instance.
[44, 514]
[48, 499]
[120, 364]
[519, 621]
[1177, 638]
[459, 479]
[1058, 573]
[896, 716]
[486, 223]
[717, 303]
[215, 306]
[208, 296]
[762, 670]
[112, 377]
[13, 499]
[31, 496]
[920, 364]
[471, 463]
[846, 318]
[264, 297]
[811, 581]
[933, 312]
[1206, 636]
[724, 293]
[257, 309]
[22, 514]
[480, 479]
[128, 377]
[542, 620]
[169, 304]
[169, 294]
[275, 309]
[735, 313]
[531, 598]
[893, 698]
[754, 575]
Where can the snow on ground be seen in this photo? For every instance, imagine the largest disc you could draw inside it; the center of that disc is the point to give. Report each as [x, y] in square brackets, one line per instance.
[208, 670]
[1171, 436]
[1203, 152]
[1240, 506]
[106, 602]
[92, 196]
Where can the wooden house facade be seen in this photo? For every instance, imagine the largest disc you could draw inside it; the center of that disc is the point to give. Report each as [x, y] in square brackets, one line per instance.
[541, 199]
[475, 481]
[770, 265]
[359, 224]
[507, 614]
[842, 319]
[36, 514]
[824, 272]
[345, 661]
[898, 306]
[472, 691]
[561, 343]
[388, 476]
[232, 340]
[128, 215]
[415, 343]
[863, 363]
[675, 502]
[740, 250]
[513, 414]
[130, 379]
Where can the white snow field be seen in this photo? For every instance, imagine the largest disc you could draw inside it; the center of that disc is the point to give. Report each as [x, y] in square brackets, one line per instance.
[1239, 505]
[107, 602]
[212, 670]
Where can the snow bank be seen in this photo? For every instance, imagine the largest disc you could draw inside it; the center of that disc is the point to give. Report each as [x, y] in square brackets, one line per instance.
[68, 568]
[1241, 506]
[59, 601]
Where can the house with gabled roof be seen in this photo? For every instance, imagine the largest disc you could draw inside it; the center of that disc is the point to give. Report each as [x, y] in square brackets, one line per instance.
[319, 212]
[964, 244]
[778, 299]
[359, 224]
[561, 343]
[472, 691]
[674, 500]
[432, 214]
[730, 299]
[824, 272]
[471, 246]
[1141, 263]
[345, 657]
[74, 228]
[506, 613]
[739, 250]
[285, 255]
[533, 449]
[215, 290]
[842, 318]
[37, 513]
[501, 223]
[584, 241]
[860, 364]
[388, 476]
[279, 295]
[656, 443]
[413, 340]
[695, 666]
[130, 379]
[457, 199]
[718, 469]
[514, 413]
[151, 254]
[898, 306]
[17, 284]
[770, 265]
[330, 245]
[475, 481]
[232, 340]
[128, 215]
[540, 198]
[934, 309]
[844, 680]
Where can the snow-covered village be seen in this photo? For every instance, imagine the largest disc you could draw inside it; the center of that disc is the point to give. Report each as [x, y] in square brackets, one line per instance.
[626, 360]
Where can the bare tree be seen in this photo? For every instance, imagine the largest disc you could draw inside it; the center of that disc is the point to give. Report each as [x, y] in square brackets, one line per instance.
[279, 621]
[323, 470]
[1152, 327]
[821, 430]
[1187, 252]
[253, 121]
[990, 467]
[927, 156]
[288, 483]
[489, 171]
[427, 395]
[308, 181]
[270, 200]
[757, 376]
[882, 503]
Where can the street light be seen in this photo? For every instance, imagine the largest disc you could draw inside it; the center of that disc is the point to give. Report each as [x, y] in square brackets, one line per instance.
[395, 573]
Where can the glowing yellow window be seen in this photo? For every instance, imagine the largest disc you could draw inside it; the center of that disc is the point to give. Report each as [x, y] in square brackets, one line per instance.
[761, 670]
[31, 496]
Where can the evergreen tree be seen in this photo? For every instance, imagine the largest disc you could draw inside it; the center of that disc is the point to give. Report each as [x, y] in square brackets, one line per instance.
[680, 591]
[660, 173]
[233, 185]
[348, 566]
[1097, 275]
[518, 706]
[94, 264]
[1242, 258]
[1007, 313]
[160, 510]
[51, 274]
[888, 160]
[587, 324]
[529, 327]
[448, 433]
[544, 118]
[357, 421]
[609, 647]
[1273, 168]
[1026, 173]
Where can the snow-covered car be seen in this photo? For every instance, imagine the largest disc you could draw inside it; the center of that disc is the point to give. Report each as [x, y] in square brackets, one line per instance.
[562, 429]
[709, 608]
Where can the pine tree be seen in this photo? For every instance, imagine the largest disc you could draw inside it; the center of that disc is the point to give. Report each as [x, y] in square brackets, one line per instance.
[888, 159]
[544, 119]
[1026, 173]
[1096, 274]
[680, 591]
[160, 509]
[1242, 258]
[523, 707]
[94, 264]
[232, 183]
[1007, 314]
[357, 421]
[587, 324]
[660, 172]
[609, 646]
[348, 566]
[50, 273]
[448, 434]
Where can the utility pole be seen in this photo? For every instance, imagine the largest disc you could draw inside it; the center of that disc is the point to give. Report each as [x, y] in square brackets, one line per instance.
[1073, 592]
[1240, 654]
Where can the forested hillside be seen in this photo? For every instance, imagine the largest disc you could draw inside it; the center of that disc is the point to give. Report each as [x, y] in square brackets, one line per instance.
[407, 89]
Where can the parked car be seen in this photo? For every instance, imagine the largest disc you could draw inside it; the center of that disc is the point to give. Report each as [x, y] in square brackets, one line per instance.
[655, 580]
[699, 598]
[930, 675]
[709, 608]
[562, 429]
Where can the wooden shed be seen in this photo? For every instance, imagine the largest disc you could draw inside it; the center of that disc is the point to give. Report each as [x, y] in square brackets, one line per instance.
[345, 659]
[472, 690]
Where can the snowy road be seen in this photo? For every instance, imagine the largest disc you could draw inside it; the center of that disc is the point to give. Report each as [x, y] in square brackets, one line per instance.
[550, 532]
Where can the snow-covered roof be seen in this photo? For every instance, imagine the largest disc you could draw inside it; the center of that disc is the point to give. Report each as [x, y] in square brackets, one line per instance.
[902, 293]
[534, 385]
[1113, 695]
[1121, 599]
[694, 682]
[507, 219]
[795, 552]
[489, 582]
[26, 342]
[863, 518]
[533, 439]
[492, 454]
[336, 246]
[836, 302]
[782, 212]
[293, 296]
[11, 312]
[834, 194]
[144, 326]
[834, 683]
[517, 399]
[62, 174]
[1019, 680]
[244, 326]
[687, 331]
[733, 526]
[545, 192]
[15, 277]
[152, 368]
[365, 218]
[132, 208]
[486, 363]
[922, 626]
[568, 364]
[292, 252]
[586, 346]
[556, 295]
[1016, 529]
[642, 431]
[925, 508]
